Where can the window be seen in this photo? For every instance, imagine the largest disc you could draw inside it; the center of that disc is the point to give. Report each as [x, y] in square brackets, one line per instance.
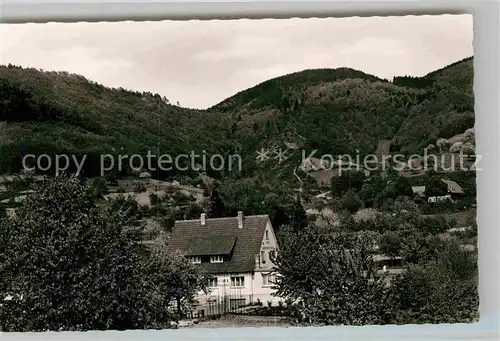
[216, 259]
[236, 303]
[195, 260]
[212, 282]
[263, 257]
[238, 281]
[268, 279]
[267, 235]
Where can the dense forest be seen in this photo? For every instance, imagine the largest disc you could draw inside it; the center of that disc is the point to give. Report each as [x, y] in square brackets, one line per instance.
[334, 111]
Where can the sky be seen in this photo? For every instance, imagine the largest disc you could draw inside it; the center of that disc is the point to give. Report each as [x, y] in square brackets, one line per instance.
[200, 63]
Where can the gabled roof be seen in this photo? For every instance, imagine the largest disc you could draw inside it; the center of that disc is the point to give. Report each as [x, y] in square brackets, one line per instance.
[453, 187]
[221, 236]
[419, 190]
[201, 246]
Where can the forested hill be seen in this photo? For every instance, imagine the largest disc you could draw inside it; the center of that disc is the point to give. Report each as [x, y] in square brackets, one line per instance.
[334, 111]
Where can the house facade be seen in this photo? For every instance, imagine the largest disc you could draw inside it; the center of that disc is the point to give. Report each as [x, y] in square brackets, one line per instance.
[454, 191]
[235, 252]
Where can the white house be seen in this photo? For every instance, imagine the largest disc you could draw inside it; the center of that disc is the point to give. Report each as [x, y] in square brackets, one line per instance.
[235, 251]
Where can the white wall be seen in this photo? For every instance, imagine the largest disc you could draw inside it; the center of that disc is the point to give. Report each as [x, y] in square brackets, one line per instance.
[268, 244]
[253, 288]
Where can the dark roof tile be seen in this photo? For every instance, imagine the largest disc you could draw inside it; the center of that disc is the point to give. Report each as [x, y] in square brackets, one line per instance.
[221, 236]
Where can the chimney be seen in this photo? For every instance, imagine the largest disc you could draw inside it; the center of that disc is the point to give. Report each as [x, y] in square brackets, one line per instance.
[203, 219]
[240, 219]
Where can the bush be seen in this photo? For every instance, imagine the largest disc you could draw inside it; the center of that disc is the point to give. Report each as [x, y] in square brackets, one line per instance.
[441, 291]
[434, 225]
[153, 198]
[336, 286]
[365, 215]
[85, 253]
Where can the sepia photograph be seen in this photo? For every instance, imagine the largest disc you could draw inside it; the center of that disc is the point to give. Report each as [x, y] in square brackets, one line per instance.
[238, 173]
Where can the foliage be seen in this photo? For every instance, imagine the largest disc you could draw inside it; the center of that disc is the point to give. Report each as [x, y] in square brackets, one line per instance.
[333, 276]
[365, 215]
[153, 198]
[406, 212]
[139, 187]
[441, 291]
[435, 187]
[393, 189]
[348, 179]
[298, 217]
[58, 113]
[391, 244]
[351, 201]
[340, 111]
[256, 197]
[370, 190]
[98, 188]
[174, 277]
[217, 207]
[60, 253]
[434, 225]
[446, 109]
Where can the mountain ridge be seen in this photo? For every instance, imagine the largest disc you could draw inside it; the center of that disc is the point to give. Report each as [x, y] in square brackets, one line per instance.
[334, 111]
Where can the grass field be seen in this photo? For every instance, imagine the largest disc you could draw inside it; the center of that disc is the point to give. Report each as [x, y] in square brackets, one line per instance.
[235, 321]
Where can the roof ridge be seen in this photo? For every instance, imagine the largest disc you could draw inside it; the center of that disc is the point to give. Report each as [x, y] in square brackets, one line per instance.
[227, 218]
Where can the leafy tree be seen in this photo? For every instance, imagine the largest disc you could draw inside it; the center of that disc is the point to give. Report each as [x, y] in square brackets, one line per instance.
[434, 225]
[175, 277]
[334, 277]
[398, 186]
[402, 187]
[339, 185]
[390, 244]
[192, 211]
[258, 197]
[351, 201]
[98, 187]
[371, 189]
[348, 179]
[67, 265]
[435, 187]
[441, 291]
[299, 217]
[217, 207]
[127, 205]
[153, 199]
[406, 212]
[419, 247]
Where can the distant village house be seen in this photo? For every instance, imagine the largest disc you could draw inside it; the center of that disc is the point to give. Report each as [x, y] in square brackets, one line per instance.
[454, 191]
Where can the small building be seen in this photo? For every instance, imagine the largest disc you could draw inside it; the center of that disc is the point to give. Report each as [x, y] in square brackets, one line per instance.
[145, 175]
[389, 266]
[418, 191]
[454, 191]
[439, 198]
[235, 252]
